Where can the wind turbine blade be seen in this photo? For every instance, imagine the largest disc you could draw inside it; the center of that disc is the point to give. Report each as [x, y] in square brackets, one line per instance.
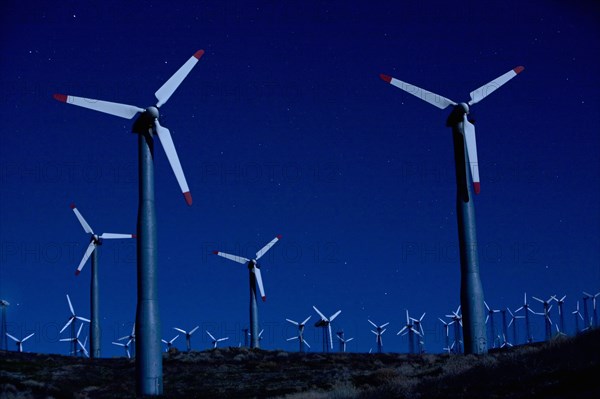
[235, 258]
[289, 339]
[70, 305]
[469, 131]
[11, 337]
[487, 89]
[293, 322]
[167, 143]
[180, 330]
[374, 325]
[336, 314]
[173, 340]
[304, 322]
[79, 331]
[84, 224]
[110, 236]
[91, 247]
[306, 343]
[349, 339]
[320, 314]
[330, 336]
[66, 325]
[537, 299]
[222, 339]
[384, 325]
[425, 95]
[211, 336]
[194, 330]
[259, 281]
[116, 109]
[168, 88]
[401, 331]
[264, 249]
[82, 319]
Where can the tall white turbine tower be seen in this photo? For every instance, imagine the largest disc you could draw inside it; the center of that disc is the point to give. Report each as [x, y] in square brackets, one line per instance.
[467, 172]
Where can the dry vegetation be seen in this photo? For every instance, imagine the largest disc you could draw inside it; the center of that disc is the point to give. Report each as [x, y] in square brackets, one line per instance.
[568, 368]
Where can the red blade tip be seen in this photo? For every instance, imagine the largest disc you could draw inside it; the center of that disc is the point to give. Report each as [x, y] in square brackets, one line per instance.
[279, 237]
[477, 187]
[134, 236]
[188, 198]
[216, 252]
[264, 298]
[72, 205]
[77, 272]
[519, 69]
[61, 97]
[385, 78]
[199, 54]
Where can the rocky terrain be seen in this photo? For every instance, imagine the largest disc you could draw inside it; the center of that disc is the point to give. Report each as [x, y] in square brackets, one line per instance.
[562, 368]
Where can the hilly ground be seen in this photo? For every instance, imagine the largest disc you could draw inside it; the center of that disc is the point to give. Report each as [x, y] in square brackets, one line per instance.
[561, 368]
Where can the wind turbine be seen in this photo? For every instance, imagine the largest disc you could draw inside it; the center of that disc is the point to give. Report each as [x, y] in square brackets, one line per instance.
[325, 324]
[504, 328]
[169, 343]
[188, 336]
[577, 313]
[513, 322]
[300, 336]
[587, 320]
[594, 321]
[379, 330]
[490, 317]
[547, 320]
[75, 341]
[255, 278]
[149, 376]
[82, 351]
[20, 341]
[71, 322]
[3, 338]
[457, 320]
[526, 309]
[343, 341]
[126, 347]
[419, 327]
[409, 329]
[215, 341]
[447, 334]
[465, 155]
[130, 337]
[92, 250]
[560, 302]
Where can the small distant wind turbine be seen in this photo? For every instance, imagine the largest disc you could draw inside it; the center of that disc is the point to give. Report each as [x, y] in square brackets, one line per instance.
[504, 327]
[526, 309]
[467, 171]
[20, 341]
[447, 348]
[547, 320]
[3, 338]
[411, 330]
[300, 336]
[419, 326]
[578, 316]
[149, 375]
[169, 343]
[561, 316]
[456, 317]
[130, 338]
[255, 278]
[188, 336]
[71, 322]
[513, 322]
[75, 341]
[124, 346]
[490, 318]
[82, 351]
[215, 341]
[379, 330]
[343, 341]
[594, 319]
[92, 250]
[325, 324]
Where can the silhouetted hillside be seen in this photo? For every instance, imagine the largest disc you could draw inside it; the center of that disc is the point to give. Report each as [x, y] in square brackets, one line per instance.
[565, 368]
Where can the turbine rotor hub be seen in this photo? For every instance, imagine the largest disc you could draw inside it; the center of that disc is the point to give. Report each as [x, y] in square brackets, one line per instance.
[153, 112]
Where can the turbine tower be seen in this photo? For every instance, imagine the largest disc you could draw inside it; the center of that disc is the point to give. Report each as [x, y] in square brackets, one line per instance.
[148, 362]
[71, 322]
[379, 330]
[325, 324]
[465, 155]
[3, 337]
[255, 278]
[587, 321]
[300, 336]
[19, 342]
[92, 250]
[188, 336]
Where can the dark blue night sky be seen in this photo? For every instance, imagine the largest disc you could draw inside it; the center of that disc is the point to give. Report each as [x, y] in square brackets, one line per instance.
[284, 127]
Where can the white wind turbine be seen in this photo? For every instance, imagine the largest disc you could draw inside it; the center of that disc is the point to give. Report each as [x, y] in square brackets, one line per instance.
[92, 250]
[490, 317]
[130, 338]
[578, 316]
[215, 341]
[169, 343]
[71, 322]
[411, 330]
[75, 341]
[419, 326]
[124, 346]
[594, 318]
[379, 330]
[300, 336]
[325, 323]
[343, 341]
[20, 341]
[255, 278]
[547, 320]
[188, 336]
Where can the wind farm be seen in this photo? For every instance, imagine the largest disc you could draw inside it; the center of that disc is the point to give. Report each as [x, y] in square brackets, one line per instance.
[282, 124]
